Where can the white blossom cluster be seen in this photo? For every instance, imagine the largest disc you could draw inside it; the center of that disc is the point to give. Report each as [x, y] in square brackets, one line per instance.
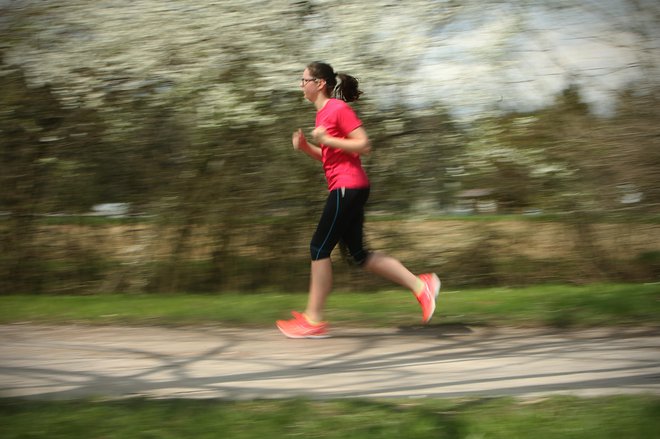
[468, 57]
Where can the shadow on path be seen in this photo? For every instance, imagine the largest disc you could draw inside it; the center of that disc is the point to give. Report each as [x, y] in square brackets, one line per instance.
[435, 361]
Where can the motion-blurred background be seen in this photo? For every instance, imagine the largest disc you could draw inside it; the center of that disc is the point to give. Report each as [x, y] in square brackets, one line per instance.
[145, 145]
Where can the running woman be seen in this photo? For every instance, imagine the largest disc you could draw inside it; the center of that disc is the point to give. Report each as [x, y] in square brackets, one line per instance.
[338, 142]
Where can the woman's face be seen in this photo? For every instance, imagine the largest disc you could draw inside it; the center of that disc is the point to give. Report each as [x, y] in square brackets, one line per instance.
[310, 86]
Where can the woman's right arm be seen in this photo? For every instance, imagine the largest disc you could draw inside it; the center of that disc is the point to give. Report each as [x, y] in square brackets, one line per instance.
[300, 143]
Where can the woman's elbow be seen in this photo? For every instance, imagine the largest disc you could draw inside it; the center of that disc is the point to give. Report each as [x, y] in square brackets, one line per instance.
[365, 147]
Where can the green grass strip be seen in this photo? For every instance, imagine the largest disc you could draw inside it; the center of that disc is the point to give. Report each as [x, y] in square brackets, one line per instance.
[549, 305]
[559, 417]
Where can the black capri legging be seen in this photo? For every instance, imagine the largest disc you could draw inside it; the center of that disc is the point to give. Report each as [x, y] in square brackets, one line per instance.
[342, 222]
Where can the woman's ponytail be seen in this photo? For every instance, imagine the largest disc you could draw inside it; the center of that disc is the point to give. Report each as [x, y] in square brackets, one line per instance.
[347, 89]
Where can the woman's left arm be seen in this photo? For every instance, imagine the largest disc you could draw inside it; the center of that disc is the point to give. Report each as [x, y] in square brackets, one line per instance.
[357, 140]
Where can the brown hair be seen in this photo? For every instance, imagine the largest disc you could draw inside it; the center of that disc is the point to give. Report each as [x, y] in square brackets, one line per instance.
[347, 89]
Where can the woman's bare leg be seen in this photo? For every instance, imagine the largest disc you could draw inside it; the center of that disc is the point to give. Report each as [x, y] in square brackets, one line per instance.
[391, 269]
[320, 285]
[381, 264]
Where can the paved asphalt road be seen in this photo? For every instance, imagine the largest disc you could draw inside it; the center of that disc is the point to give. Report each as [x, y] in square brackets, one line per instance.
[60, 362]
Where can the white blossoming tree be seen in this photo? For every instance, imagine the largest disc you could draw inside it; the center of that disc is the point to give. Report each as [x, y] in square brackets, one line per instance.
[185, 109]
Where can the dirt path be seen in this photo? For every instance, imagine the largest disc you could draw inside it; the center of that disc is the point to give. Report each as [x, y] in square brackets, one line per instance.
[61, 362]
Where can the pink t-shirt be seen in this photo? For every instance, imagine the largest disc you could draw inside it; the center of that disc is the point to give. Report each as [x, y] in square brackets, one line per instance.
[342, 169]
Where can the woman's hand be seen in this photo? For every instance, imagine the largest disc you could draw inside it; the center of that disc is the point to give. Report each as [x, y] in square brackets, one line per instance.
[356, 142]
[319, 134]
[299, 141]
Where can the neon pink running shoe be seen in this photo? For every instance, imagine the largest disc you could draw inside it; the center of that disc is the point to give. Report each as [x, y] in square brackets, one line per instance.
[428, 296]
[299, 327]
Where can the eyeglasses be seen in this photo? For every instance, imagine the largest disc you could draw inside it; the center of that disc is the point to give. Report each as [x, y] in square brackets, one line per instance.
[304, 81]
